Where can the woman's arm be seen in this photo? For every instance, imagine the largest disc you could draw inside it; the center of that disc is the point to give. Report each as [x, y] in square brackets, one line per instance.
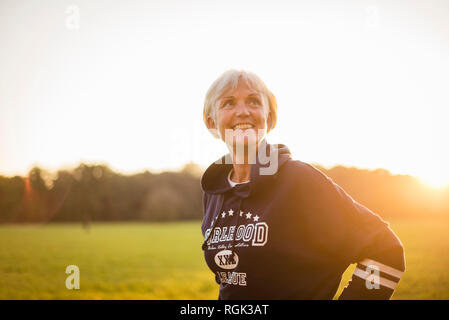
[380, 261]
[346, 231]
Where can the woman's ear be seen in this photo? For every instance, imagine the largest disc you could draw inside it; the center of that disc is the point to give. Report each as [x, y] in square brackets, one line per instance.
[210, 123]
[269, 121]
[212, 127]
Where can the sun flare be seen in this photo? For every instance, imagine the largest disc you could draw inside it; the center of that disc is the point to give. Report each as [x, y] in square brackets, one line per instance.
[435, 180]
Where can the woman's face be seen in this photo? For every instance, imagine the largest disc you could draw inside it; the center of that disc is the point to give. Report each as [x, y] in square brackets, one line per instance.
[241, 116]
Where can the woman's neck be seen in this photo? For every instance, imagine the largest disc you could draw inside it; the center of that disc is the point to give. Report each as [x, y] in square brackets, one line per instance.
[241, 172]
[242, 160]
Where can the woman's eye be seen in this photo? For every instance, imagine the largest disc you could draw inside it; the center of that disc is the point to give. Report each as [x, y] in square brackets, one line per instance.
[226, 103]
[254, 101]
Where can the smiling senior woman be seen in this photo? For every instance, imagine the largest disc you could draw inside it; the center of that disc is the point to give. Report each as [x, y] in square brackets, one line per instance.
[289, 233]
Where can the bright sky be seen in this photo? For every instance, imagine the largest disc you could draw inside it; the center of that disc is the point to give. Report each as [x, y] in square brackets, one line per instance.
[358, 83]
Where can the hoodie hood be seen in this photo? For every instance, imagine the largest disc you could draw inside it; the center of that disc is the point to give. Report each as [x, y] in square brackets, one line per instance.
[214, 180]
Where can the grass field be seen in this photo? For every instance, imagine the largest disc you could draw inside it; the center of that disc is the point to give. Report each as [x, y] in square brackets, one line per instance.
[165, 261]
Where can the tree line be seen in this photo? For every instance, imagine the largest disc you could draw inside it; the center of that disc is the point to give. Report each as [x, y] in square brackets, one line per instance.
[96, 193]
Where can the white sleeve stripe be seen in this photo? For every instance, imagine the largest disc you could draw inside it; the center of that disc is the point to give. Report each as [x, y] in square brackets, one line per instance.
[384, 268]
[383, 282]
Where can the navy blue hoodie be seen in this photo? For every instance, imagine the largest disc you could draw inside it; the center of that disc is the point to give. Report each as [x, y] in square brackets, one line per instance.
[292, 234]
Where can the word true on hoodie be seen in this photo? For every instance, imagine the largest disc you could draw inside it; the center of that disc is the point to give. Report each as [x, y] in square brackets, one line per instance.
[292, 234]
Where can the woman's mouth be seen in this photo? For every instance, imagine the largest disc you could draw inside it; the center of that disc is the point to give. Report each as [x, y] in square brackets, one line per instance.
[242, 126]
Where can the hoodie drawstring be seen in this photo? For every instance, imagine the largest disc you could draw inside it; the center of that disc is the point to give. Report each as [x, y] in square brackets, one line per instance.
[237, 189]
[236, 226]
[203, 246]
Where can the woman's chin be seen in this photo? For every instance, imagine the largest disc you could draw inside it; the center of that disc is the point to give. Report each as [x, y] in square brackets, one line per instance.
[245, 140]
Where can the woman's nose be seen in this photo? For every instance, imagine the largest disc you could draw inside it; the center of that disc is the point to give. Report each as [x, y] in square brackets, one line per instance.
[242, 109]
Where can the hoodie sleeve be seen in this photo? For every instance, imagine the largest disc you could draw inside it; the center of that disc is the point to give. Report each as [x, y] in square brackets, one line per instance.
[351, 233]
[379, 256]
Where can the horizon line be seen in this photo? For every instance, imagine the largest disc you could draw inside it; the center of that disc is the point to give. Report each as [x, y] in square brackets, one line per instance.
[71, 167]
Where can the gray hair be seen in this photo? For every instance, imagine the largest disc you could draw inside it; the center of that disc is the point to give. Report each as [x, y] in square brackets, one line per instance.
[229, 80]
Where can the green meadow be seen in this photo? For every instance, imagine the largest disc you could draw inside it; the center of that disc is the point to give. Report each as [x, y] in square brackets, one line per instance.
[165, 261]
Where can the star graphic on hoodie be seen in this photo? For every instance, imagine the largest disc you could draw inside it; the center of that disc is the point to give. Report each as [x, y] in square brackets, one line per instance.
[241, 212]
[256, 218]
[223, 214]
[231, 212]
[248, 215]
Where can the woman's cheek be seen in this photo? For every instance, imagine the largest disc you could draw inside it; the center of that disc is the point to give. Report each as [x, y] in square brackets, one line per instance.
[261, 133]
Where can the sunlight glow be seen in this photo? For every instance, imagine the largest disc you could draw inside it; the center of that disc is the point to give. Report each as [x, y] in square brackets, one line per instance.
[435, 181]
[357, 84]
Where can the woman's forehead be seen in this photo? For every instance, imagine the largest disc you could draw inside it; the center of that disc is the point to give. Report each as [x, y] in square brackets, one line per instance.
[231, 89]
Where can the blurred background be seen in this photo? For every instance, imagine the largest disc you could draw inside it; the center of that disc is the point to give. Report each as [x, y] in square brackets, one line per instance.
[102, 143]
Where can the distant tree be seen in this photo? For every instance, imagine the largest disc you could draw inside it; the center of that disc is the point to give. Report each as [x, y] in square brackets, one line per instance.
[193, 169]
[162, 204]
[35, 199]
[96, 193]
[11, 195]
